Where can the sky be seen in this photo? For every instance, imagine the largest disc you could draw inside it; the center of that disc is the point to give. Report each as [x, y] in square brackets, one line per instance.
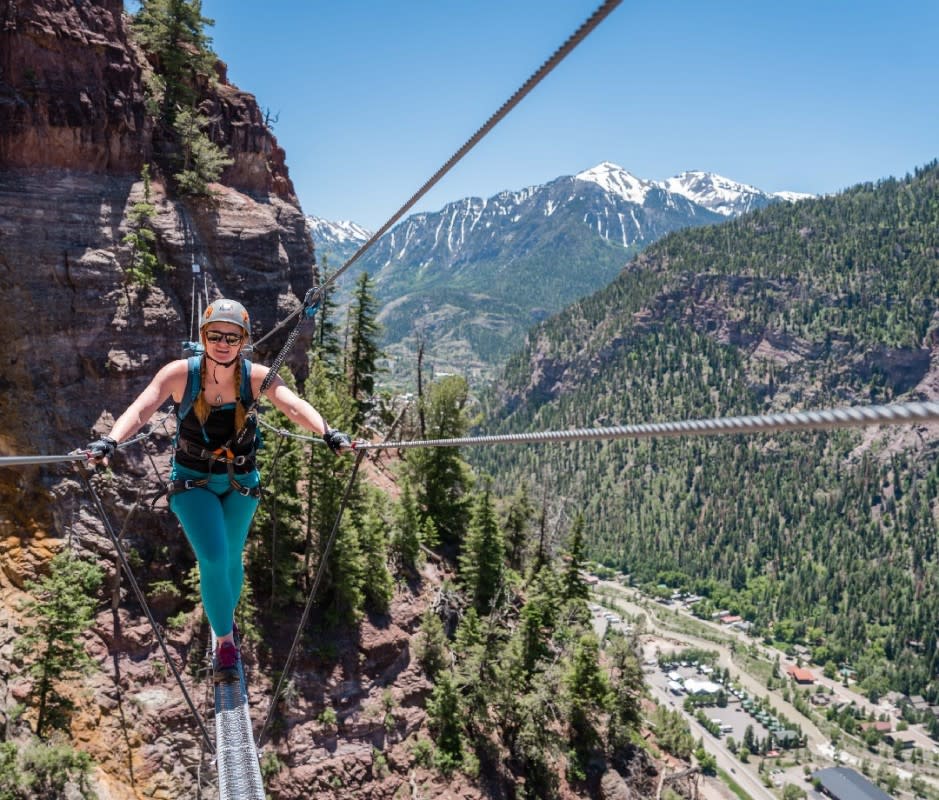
[371, 98]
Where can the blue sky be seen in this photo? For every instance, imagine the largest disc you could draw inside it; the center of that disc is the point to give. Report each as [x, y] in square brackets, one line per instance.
[373, 97]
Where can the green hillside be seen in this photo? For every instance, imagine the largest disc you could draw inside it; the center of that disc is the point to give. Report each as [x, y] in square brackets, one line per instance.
[828, 540]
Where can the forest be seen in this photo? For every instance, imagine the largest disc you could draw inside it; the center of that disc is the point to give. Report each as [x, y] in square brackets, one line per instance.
[825, 539]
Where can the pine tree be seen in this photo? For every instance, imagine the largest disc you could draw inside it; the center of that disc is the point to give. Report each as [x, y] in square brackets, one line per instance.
[141, 238]
[63, 609]
[481, 562]
[444, 714]
[363, 350]
[172, 32]
[201, 160]
[432, 651]
[440, 475]
[518, 518]
[628, 687]
[326, 342]
[586, 694]
[537, 621]
[406, 541]
[378, 584]
[326, 477]
[273, 563]
[575, 588]
[346, 575]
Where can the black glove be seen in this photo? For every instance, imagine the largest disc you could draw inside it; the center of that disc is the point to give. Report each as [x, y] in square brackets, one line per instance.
[101, 448]
[336, 440]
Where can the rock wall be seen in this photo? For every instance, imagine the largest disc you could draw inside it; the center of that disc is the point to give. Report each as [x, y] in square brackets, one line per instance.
[78, 342]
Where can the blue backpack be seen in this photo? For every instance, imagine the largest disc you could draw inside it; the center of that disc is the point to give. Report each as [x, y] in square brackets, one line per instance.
[194, 386]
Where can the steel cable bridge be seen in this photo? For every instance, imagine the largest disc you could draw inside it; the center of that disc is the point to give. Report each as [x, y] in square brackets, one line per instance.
[235, 746]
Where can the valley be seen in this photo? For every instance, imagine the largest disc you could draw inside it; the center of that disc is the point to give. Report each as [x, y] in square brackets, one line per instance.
[665, 630]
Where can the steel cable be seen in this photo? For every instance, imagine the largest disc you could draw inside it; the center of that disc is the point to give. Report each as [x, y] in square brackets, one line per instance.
[556, 58]
[851, 417]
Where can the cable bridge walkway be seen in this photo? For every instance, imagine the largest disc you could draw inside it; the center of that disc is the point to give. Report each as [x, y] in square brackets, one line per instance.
[239, 769]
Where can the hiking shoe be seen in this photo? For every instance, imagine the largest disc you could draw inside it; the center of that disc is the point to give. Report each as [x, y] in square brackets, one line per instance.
[225, 663]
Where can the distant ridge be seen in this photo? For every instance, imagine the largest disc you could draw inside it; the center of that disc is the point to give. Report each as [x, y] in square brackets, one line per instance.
[473, 276]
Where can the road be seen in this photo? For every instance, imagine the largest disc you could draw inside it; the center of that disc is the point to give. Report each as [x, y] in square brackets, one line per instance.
[726, 760]
[660, 637]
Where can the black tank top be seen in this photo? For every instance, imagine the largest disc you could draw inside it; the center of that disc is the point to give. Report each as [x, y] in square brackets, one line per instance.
[218, 429]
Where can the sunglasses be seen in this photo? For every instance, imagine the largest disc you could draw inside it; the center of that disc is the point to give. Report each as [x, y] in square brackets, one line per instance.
[230, 338]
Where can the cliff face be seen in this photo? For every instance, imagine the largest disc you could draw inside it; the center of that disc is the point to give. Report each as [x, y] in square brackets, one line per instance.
[78, 342]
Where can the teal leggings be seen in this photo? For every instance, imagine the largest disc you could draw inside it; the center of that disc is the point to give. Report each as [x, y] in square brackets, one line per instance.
[216, 520]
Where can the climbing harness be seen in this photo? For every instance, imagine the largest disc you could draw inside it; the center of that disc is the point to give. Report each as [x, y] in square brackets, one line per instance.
[244, 461]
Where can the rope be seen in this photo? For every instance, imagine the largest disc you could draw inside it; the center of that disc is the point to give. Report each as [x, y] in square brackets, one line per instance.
[855, 417]
[143, 603]
[558, 56]
[324, 559]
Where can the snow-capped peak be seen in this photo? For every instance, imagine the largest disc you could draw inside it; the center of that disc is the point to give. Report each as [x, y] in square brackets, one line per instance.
[793, 197]
[341, 232]
[715, 192]
[615, 180]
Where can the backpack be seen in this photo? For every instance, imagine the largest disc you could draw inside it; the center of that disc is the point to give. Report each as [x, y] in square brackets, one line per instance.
[194, 386]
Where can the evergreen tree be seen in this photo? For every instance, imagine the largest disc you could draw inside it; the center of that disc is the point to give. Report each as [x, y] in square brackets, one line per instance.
[201, 160]
[586, 694]
[575, 588]
[432, 651]
[481, 562]
[628, 687]
[141, 238]
[61, 611]
[172, 32]
[273, 558]
[346, 577]
[326, 477]
[518, 518]
[444, 714]
[537, 621]
[441, 476]
[378, 584]
[327, 345]
[406, 540]
[363, 351]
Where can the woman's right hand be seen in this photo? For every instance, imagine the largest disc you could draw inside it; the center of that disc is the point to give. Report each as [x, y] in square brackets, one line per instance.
[100, 450]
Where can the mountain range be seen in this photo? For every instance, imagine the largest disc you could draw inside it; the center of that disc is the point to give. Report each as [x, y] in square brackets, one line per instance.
[453, 276]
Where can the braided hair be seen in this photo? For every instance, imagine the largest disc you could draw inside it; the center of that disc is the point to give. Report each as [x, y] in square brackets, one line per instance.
[201, 405]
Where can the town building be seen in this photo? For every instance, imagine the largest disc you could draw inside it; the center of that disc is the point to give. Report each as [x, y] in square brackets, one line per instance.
[842, 783]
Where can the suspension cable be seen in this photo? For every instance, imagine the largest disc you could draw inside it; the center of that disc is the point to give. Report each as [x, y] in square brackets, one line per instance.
[558, 56]
[851, 417]
[99, 506]
[321, 570]
[77, 455]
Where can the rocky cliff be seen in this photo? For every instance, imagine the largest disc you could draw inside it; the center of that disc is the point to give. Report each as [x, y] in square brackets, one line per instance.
[79, 340]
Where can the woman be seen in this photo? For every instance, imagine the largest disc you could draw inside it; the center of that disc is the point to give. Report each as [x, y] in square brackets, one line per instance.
[214, 488]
